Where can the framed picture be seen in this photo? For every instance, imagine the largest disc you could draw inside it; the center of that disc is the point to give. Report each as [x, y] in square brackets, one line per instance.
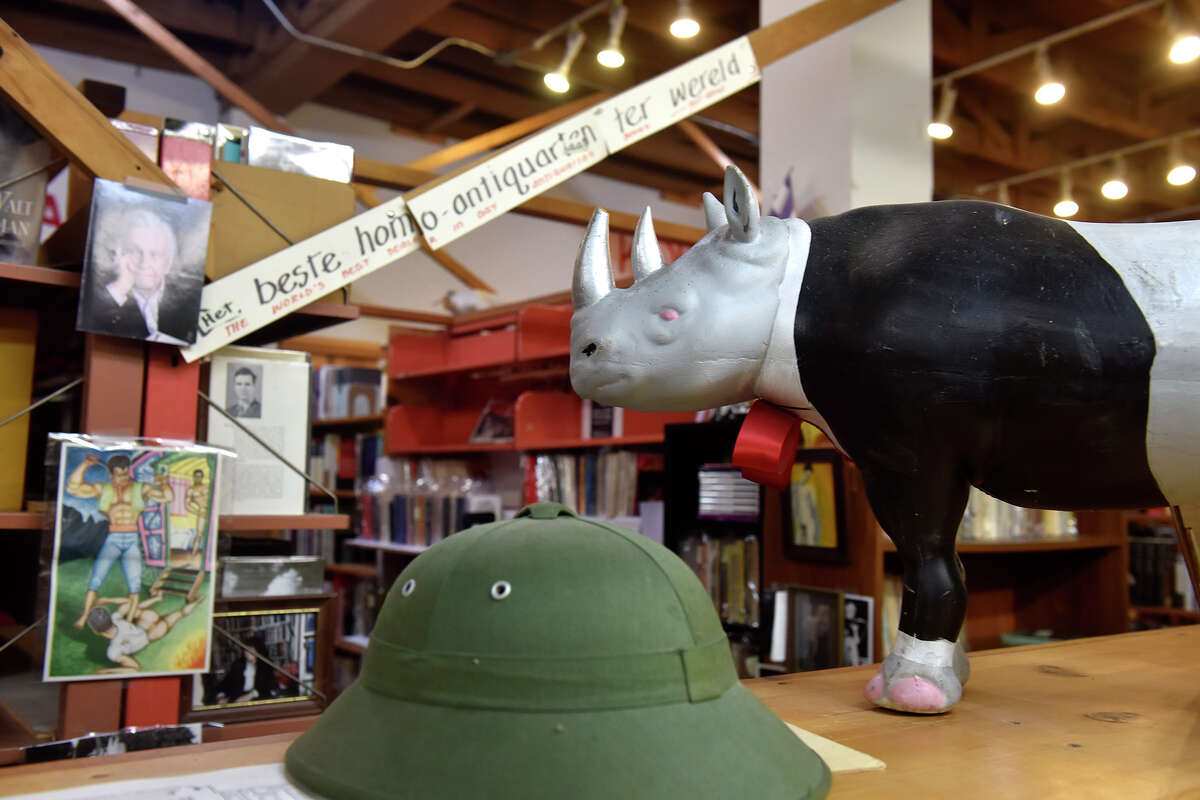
[143, 265]
[813, 516]
[131, 577]
[816, 617]
[271, 657]
[858, 630]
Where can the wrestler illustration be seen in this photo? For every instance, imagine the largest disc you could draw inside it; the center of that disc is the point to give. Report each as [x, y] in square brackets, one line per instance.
[122, 500]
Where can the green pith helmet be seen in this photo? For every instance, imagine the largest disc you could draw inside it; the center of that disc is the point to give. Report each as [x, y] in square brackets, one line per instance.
[550, 657]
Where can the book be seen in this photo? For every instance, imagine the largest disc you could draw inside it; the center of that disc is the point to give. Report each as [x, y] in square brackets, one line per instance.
[18, 341]
[186, 153]
[267, 391]
[22, 150]
[328, 160]
[229, 144]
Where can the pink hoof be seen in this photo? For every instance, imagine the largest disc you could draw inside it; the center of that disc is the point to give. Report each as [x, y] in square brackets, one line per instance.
[917, 694]
[874, 687]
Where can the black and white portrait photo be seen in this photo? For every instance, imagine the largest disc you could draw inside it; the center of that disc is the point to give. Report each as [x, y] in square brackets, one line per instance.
[243, 390]
[858, 632]
[143, 268]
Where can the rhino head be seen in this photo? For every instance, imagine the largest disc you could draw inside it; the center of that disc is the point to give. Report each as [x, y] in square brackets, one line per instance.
[688, 335]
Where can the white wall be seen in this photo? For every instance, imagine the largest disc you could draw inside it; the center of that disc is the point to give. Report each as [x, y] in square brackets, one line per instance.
[847, 114]
[520, 256]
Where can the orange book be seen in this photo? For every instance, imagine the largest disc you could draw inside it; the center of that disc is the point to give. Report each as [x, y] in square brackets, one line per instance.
[18, 338]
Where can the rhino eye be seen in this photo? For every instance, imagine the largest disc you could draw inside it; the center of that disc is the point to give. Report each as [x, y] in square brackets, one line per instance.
[669, 314]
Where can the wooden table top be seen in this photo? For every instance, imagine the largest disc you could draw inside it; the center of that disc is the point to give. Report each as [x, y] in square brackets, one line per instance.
[1113, 716]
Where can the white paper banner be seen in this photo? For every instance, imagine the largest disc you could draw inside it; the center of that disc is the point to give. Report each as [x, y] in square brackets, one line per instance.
[509, 178]
[675, 95]
[286, 281]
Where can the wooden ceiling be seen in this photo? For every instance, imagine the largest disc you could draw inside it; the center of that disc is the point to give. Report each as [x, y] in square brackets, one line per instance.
[1121, 88]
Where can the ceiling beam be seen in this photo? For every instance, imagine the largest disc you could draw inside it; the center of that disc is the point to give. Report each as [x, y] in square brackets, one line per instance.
[286, 77]
[216, 20]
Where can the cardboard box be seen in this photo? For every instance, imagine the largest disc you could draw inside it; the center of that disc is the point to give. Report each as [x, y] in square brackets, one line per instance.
[298, 205]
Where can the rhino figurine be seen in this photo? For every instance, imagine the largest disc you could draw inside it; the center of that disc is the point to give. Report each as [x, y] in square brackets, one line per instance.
[941, 345]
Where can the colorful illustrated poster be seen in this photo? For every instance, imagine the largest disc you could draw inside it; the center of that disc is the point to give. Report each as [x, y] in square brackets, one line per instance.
[131, 589]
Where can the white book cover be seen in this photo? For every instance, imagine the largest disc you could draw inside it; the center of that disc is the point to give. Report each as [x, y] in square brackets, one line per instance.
[268, 391]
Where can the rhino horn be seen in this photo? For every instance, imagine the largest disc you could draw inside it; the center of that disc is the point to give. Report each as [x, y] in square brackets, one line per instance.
[646, 256]
[593, 267]
[714, 212]
[741, 205]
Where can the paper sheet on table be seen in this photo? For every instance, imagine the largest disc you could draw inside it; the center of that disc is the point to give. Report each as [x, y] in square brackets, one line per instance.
[839, 757]
[262, 782]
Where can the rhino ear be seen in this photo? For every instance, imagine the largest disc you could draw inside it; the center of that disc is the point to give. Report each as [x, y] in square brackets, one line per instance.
[714, 212]
[741, 205]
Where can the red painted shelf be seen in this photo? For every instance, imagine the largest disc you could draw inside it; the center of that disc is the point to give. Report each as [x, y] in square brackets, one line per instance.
[21, 520]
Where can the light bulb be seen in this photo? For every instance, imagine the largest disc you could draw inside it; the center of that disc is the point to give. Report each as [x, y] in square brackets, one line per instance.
[1185, 49]
[610, 58]
[1066, 207]
[1114, 189]
[940, 130]
[684, 28]
[1050, 93]
[557, 82]
[1181, 174]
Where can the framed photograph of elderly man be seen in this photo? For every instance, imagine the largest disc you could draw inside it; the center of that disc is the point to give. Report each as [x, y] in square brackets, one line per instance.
[131, 577]
[143, 267]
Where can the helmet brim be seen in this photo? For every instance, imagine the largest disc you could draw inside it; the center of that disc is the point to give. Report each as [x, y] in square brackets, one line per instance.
[367, 746]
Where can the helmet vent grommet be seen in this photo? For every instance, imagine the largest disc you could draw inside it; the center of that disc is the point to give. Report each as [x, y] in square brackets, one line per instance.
[407, 589]
[501, 590]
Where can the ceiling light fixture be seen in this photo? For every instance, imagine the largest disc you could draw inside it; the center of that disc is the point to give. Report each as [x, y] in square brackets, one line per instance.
[685, 25]
[611, 56]
[557, 80]
[1179, 171]
[1049, 90]
[1115, 187]
[1185, 44]
[1066, 206]
[940, 127]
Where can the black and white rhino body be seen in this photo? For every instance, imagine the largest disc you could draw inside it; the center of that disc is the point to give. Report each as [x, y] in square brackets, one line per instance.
[940, 346]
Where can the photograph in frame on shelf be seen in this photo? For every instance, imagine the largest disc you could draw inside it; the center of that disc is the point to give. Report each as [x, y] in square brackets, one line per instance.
[131, 576]
[858, 630]
[143, 264]
[814, 519]
[816, 616]
[271, 576]
[270, 657]
[268, 391]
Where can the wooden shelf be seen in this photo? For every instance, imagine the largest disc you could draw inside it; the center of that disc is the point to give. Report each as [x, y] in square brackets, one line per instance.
[1175, 614]
[342, 494]
[275, 522]
[312, 317]
[358, 570]
[355, 645]
[451, 449]
[1026, 545]
[389, 547]
[372, 421]
[46, 276]
[21, 520]
[612, 441]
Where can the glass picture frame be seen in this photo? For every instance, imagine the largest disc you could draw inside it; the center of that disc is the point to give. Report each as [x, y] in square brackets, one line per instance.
[271, 657]
[814, 519]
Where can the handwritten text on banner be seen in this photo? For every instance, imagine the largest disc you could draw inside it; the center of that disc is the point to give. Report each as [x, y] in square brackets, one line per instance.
[283, 282]
[507, 179]
[677, 94]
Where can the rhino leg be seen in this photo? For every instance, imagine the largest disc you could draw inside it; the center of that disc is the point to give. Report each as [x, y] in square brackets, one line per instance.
[921, 511]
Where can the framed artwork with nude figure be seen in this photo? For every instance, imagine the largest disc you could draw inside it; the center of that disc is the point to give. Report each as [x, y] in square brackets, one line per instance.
[131, 587]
